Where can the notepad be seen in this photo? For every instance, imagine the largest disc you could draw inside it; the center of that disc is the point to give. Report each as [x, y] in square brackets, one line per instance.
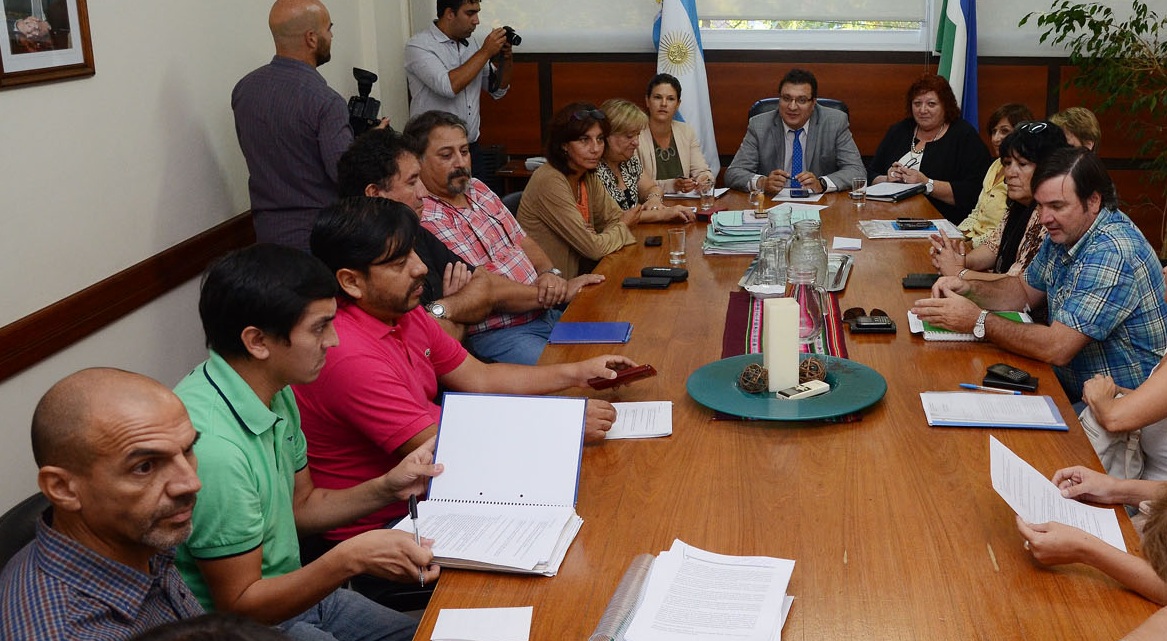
[717, 193]
[567, 333]
[506, 500]
[936, 333]
[643, 419]
[972, 409]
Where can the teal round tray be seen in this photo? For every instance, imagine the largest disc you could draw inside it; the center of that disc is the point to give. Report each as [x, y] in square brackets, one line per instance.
[854, 386]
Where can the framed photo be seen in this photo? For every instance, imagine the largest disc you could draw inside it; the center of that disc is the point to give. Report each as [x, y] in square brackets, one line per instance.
[44, 40]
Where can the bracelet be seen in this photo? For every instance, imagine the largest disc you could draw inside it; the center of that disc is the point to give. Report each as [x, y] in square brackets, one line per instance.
[962, 273]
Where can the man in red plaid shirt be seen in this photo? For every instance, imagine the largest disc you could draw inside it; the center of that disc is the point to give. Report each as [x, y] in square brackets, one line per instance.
[472, 221]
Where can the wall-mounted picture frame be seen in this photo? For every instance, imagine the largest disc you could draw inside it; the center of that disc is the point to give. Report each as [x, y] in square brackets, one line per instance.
[44, 40]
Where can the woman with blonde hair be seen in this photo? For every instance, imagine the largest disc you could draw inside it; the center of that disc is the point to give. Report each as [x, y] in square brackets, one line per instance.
[621, 171]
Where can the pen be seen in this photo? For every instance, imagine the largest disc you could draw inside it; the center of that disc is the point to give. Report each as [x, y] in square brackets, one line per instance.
[982, 388]
[416, 534]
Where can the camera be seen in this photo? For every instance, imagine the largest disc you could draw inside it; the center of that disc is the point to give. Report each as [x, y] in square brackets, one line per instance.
[512, 36]
[363, 111]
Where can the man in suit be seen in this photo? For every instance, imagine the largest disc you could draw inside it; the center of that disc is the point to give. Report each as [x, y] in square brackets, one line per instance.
[801, 144]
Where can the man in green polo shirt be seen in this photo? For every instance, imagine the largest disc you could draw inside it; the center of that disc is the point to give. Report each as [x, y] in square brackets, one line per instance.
[267, 313]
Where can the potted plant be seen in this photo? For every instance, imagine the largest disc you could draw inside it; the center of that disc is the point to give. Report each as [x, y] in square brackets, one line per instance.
[1124, 63]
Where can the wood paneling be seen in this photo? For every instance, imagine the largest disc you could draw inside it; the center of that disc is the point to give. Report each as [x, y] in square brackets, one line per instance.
[513, 121]
[1116, 142]
[596, 82]
[43, 333]
[1001, 84]
[1142, 200]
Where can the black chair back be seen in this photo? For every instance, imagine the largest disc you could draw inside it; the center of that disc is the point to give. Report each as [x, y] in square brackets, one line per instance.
[512, 201]
[770, 104]
[18, 526]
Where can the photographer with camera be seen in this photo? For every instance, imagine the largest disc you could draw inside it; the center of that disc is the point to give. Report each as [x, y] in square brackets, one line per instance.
[448, 69]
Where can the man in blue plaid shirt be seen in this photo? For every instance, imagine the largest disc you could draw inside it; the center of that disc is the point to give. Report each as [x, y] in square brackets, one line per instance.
[1096, 273]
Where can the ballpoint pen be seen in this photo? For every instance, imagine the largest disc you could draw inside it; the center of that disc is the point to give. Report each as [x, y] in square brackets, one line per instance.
[982, 388]
[416, 534]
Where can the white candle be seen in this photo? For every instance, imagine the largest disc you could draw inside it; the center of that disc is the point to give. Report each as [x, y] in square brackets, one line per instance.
[780, 342]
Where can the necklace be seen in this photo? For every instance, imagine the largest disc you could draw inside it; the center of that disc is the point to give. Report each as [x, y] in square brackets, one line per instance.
[916, 138]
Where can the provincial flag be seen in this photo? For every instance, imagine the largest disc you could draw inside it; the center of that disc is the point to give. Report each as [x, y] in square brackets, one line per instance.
[956, 41]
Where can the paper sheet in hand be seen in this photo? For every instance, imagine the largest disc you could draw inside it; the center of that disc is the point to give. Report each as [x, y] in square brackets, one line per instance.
[701, 596]
[1037, 500]
[483, 624]
[974, 409]
[506, 500]
[647, 419]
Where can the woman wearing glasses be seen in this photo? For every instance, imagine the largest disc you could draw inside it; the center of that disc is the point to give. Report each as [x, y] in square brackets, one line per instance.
[1015, 241]
[934, 147]
[565, 207]
[669, 149]
[621, 171]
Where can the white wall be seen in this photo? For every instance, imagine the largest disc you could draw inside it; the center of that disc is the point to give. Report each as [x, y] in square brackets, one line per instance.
[100, 173]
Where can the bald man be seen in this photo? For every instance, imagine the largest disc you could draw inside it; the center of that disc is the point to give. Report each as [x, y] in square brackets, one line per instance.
[116, 458]
[291, 126]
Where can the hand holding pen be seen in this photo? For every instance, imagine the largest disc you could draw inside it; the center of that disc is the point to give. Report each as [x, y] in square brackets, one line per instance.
[416, 534]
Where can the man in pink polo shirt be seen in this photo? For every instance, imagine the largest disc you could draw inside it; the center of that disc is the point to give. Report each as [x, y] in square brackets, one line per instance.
[374, 401]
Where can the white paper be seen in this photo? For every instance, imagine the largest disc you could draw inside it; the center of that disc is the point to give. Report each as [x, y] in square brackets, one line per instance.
[701, 596]
[887, 229]
[515, 536]
[1037, 500]
[483, 624]
[847, 244]
[647, 419]
[509, 449]
[988, 409]
[784, 195]
[717, 193]
[888, 188]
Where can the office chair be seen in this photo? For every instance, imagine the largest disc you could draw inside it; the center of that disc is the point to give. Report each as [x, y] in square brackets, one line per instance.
[770, 104]
[18, 526]
[512, 201]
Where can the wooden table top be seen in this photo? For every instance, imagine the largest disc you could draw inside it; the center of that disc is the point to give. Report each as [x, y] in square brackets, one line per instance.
[894, 526]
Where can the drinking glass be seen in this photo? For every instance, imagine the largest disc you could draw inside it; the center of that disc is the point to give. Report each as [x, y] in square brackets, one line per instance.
[677, 246]
[859, 186]
[706, 189]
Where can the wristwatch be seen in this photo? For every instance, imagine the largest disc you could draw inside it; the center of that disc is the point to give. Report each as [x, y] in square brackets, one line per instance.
[929, 186]
[437, 310]
[554, 271]
[979, 328]
[823, 184]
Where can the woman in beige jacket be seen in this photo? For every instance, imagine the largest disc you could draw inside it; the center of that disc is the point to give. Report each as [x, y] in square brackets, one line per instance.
[669, 149]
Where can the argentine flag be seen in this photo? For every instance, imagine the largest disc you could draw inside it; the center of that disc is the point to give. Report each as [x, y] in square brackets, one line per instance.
[956, 40]
[678, 43]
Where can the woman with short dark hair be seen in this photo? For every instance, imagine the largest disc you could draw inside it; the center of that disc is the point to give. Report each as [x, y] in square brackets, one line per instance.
[565, 207]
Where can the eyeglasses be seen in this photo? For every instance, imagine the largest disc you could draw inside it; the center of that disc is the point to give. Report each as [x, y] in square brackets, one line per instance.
[801, 101]
[855, 312]
[584, 114]
[1032, 126]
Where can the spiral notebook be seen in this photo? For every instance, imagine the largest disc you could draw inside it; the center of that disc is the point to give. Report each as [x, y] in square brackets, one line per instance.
[506, 500]
[934, 333]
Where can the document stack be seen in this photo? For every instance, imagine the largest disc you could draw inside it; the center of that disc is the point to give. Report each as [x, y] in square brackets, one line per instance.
[733, 232]
[506, 500]
[688, 593]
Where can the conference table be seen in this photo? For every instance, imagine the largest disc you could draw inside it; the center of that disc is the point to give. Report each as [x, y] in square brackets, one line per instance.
[894, 526]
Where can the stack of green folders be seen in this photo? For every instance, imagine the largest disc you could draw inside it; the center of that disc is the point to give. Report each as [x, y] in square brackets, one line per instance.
[740, 232]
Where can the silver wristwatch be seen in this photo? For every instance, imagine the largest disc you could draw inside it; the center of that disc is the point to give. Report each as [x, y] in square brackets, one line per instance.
[554, 271]
[437, 310]
[929, 186]
[979, 328]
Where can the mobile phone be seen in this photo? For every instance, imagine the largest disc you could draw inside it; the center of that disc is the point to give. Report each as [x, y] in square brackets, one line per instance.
[652, 282]
[920, 281]
[992, 380]
[1009, 372]
[653, 241]
[913, 223]
[873, 325]
[675, 274]
[623, 377]
[799, 193]
[804, 390]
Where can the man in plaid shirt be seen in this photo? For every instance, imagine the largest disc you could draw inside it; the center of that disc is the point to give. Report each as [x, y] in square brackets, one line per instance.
[473, 222]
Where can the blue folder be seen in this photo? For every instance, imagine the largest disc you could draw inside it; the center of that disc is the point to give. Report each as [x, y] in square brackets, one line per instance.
[583, 333]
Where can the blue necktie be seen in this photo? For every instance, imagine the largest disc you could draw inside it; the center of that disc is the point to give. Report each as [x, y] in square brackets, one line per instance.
[796, 159]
